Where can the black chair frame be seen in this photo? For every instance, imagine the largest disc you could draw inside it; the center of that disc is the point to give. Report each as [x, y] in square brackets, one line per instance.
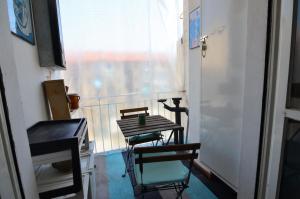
[134, 113]
[185, 152]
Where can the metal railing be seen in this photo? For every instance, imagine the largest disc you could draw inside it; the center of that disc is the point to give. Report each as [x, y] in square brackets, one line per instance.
[102, 113]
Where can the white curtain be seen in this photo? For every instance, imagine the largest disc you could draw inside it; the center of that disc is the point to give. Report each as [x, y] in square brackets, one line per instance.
[117, 47]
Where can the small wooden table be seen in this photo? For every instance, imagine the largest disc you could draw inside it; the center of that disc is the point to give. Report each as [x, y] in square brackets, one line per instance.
[156, 123]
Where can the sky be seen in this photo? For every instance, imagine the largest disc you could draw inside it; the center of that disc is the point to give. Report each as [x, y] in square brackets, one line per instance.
[119, 25]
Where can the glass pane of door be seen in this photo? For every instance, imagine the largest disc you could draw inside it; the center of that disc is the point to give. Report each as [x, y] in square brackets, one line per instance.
[290, 170]
[290, 179]
[294, 87]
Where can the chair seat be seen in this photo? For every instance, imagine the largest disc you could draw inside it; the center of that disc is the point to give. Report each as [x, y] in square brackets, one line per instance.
[144, 138]
[161, 172]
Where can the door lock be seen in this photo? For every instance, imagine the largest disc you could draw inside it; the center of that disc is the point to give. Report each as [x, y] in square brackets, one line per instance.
[204, 45]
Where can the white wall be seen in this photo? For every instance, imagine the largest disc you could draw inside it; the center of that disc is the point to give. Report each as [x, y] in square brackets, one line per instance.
[30, 76]
[22, 81]
[194, 76]
[185, 39]
[16, 114]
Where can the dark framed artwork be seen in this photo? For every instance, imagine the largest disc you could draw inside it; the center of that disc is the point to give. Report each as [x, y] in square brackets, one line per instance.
[20, 19]
[194, 28]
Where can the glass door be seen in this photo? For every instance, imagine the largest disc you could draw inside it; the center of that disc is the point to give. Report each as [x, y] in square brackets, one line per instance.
[279, 176]
[289, 186]
[283, 154]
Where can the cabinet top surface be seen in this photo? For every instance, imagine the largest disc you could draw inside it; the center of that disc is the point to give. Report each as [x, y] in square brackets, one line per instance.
[47, 131]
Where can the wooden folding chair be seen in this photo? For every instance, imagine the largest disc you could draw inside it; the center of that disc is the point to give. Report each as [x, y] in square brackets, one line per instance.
[134, 112]
[161, 168]
[138, 139]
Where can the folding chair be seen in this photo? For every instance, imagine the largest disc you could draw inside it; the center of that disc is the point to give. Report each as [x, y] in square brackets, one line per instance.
[138, 139]
[160, 168]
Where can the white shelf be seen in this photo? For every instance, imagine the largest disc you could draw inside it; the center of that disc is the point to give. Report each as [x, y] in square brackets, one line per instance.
[49, 178]
[52, 157]
[88, 151]
[80, 195]
[293, 114]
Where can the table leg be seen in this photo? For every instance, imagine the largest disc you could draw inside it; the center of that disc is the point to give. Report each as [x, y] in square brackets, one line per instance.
[181, 136]
[176, 136]
[169, 138]
[128, 157]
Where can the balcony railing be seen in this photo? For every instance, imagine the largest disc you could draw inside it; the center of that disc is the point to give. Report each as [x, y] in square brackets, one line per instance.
[102, 113]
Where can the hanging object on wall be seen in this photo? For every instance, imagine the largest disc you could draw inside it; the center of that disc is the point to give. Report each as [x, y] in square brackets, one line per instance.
[194, 28]
[20, 19]
[204, 45]
[48, 31]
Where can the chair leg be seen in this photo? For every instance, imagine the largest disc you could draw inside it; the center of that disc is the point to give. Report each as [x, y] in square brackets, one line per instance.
[127, 146]
[179, 196]
[130, 158]
[179, 193]
[162, 140]
[127, 160]
[125, 170]
[181, 190]
[170, 137]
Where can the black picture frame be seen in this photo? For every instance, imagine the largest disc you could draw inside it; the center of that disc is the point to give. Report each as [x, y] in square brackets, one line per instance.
[20, 19]
[56, 30]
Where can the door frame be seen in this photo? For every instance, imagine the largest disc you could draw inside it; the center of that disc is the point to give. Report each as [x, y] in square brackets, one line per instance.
[6, 140]
[276, 96]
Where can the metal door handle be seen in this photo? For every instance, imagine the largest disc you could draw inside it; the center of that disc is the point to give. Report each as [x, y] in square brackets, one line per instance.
[204, 38]
[204, 45]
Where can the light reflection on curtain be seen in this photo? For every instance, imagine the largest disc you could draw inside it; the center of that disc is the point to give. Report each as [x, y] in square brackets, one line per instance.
[117, 47]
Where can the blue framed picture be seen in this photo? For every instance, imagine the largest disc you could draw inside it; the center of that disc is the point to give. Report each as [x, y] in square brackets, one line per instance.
[20, 19]
[194, 28]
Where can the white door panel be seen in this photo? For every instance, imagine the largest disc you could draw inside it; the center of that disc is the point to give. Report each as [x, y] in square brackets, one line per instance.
[9, 187]
[222, 83]
[6, 187]
[282, 78]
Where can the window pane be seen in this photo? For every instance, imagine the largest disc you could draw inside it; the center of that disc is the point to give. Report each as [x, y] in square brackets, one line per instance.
[294, 93]
[291, 162]
[119, 47]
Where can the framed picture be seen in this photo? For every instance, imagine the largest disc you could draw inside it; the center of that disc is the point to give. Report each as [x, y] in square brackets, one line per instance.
[194, 28]
[20, 19]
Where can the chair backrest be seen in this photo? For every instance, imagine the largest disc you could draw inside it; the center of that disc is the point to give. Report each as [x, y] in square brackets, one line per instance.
[137, 111]
[184, 152]
[188, 149]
